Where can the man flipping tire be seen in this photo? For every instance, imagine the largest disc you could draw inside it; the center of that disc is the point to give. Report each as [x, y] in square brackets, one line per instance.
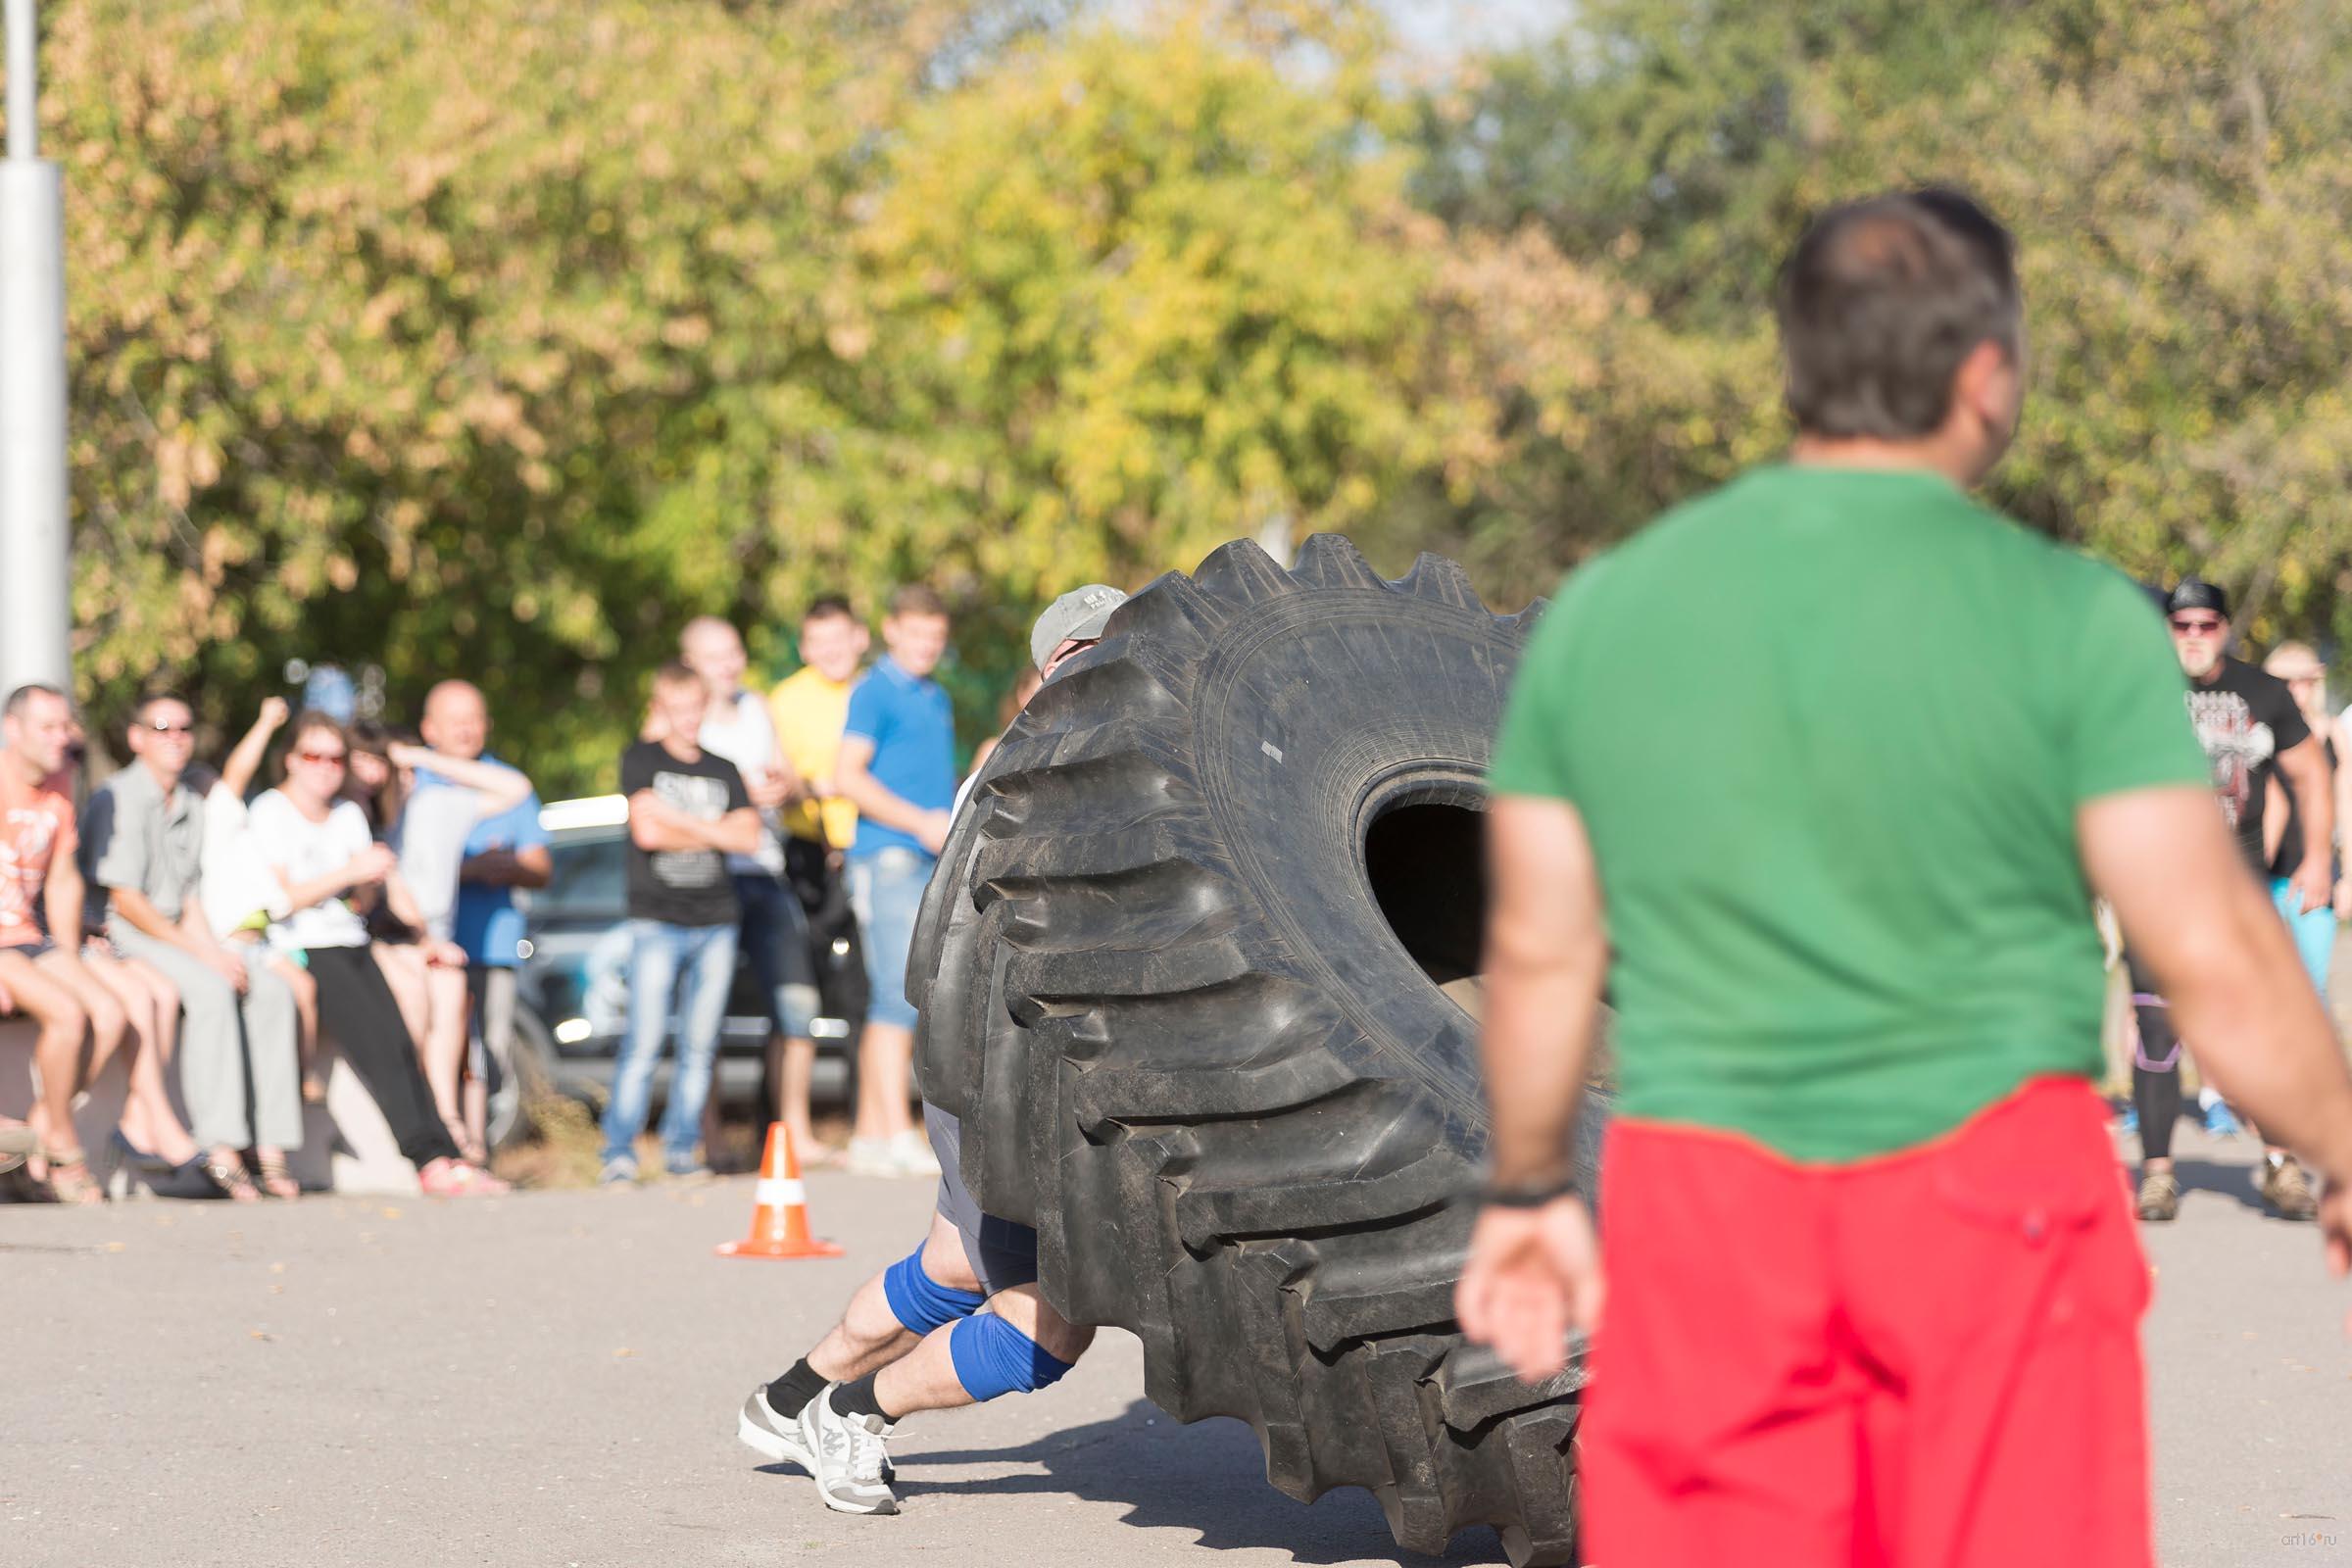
[957, 1321]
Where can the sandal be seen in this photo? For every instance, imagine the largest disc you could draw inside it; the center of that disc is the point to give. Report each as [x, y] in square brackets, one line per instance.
[276, 1180]
[229, 1176]
[454, 1178]
[69, 1178]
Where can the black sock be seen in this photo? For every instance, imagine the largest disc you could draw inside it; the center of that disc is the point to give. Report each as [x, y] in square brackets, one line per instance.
[857, 1398]
[789, 1393]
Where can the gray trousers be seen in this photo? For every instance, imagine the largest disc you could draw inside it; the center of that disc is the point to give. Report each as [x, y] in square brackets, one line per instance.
[231, 1047]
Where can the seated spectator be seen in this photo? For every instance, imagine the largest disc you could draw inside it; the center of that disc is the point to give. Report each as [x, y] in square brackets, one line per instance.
[321, 850]
[445, 798]
[238, 1045]
[241, 895]
[41, 891]
[381, 791]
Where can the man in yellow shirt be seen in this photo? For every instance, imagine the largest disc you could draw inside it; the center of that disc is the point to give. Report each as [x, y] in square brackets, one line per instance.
[809, 708]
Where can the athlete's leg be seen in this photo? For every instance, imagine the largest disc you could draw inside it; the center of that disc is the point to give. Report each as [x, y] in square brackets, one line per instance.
[1027, 1346]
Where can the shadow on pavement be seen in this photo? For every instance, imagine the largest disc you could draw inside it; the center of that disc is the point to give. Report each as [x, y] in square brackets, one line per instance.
[1208, 1479]
[2209, 1176]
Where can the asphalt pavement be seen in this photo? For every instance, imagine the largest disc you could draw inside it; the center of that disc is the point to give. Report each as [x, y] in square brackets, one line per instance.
[552, 1378]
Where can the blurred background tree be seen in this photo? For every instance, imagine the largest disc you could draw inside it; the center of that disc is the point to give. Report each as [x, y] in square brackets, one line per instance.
[498, 339]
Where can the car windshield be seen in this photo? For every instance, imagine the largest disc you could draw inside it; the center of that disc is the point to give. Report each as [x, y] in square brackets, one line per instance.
[590, 878]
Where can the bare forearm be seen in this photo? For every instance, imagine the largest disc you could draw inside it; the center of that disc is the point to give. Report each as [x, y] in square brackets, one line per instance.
[1538, 1039]
[316, 890]
[2313, 782]
[239, 771]
[146, 919]
[877, 804]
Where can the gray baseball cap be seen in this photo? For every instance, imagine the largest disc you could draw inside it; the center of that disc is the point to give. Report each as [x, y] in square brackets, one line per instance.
[1080, 613]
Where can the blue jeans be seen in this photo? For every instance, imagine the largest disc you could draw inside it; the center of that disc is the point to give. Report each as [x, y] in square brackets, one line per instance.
[658, 954]
[775, 937]
[2314, 933]
[886, 889]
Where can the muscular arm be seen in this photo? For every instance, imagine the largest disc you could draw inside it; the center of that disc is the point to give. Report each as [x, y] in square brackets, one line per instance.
[2226, 964]
[2304, 767]
[1534, 1273]
[1546, 959]
[874, 800]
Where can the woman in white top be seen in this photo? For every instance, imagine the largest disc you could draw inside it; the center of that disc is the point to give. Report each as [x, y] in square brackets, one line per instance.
[323, 850]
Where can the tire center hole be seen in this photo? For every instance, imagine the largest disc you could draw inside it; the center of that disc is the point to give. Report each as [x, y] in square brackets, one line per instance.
[1425, 861]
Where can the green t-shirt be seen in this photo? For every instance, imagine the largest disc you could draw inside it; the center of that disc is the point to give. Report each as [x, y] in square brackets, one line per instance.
[1828, 729]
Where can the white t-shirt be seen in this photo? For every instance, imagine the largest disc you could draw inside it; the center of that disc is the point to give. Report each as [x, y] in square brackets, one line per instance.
[434, 824]
[307, 851]
[235, 882]
[747, 737]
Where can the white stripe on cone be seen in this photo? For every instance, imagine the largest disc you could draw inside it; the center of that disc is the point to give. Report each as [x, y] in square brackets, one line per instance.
[779, 1192]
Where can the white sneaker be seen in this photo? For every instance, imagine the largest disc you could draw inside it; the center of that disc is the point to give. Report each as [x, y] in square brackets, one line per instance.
[848, 1455]
[913, 1152]
[769, 1435]
[871, 1156]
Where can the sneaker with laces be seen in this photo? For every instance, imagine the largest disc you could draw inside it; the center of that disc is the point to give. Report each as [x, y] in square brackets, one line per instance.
[2159, 1195]
[2219, 1121]
[769, 1435]
[871, 1156]
[618, 1173]
[913, 1152]
[2285, 1187]
[848, 1454]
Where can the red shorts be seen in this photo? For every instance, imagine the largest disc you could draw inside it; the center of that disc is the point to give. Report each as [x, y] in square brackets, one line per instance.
[1924, 1360]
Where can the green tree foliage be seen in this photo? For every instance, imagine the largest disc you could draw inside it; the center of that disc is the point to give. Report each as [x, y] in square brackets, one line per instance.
[498, 338]
[2177, 176]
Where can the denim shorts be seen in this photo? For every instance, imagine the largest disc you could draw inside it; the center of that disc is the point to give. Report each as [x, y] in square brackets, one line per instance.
[886, 890]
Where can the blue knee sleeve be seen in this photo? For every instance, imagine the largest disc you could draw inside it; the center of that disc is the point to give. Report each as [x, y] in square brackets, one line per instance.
[920, 1302]
[993, 1357]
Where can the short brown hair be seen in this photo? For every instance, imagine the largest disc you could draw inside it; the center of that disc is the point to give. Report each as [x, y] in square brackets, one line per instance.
[916, 599]
[1882, 301]
[673, 673]
[314, 722]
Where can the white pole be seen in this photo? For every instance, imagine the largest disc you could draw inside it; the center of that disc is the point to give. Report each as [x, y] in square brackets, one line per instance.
[35, 586]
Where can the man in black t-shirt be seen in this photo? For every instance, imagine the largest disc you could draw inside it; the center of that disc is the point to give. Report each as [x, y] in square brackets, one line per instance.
[688, 811]
[2250, 727]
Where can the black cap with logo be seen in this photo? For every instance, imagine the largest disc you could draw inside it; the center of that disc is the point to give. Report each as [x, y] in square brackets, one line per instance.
[2195, 593]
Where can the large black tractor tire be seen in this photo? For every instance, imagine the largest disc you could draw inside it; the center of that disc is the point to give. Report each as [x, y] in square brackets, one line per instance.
[1180, 974]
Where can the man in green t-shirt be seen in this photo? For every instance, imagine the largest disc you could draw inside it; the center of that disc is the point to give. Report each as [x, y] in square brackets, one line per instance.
[1820, 772]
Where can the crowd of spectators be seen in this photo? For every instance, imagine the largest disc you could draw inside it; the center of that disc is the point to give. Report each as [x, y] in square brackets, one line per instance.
[230, 934]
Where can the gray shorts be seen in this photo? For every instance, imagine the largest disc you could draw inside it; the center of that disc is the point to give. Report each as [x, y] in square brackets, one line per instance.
[1001, 1253]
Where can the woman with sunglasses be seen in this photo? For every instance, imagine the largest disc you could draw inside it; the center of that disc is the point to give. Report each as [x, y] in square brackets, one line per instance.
[323, 852]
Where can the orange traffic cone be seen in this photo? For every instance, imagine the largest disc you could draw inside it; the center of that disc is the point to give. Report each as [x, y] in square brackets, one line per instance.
[780, 1207]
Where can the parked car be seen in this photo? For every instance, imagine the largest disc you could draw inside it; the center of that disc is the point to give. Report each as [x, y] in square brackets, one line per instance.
[573, 1002]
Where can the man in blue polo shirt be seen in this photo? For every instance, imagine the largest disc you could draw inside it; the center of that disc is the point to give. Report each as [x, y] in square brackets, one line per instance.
[898, 766]
[503, 853]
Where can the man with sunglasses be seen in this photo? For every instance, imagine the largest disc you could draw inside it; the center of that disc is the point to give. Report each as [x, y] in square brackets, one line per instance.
[143, 845]
[2252, 730]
